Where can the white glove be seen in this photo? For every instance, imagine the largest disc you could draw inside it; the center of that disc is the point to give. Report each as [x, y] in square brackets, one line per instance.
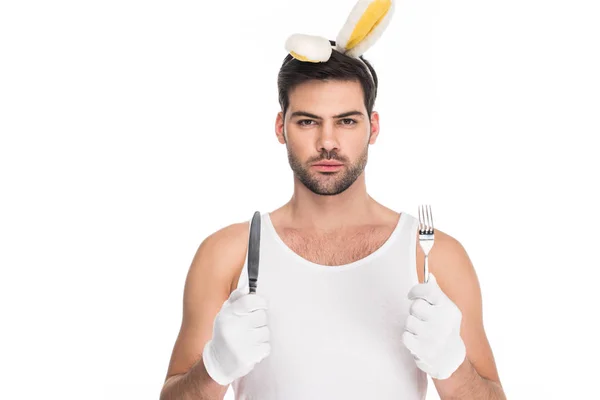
[240, 337]
[432, 330]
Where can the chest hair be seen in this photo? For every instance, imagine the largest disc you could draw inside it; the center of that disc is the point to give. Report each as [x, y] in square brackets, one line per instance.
[336, 248]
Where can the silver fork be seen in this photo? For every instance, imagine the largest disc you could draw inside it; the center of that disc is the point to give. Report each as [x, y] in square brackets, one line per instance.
[426, 234]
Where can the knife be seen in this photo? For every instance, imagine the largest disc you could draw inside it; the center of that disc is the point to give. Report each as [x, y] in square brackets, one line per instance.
[254, 251]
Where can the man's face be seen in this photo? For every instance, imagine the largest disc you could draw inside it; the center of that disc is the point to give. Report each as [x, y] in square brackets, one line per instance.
[327, 121]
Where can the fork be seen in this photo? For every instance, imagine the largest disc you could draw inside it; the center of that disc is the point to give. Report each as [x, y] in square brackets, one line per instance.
[426, 234]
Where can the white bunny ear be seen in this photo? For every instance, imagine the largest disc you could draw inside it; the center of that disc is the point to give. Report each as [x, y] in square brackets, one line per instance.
[308, 47]
[365, 24]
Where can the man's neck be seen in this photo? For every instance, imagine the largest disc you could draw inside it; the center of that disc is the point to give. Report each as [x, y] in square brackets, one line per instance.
[353, 207]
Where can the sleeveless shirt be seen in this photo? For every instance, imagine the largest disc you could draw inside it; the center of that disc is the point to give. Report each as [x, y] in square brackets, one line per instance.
[335, 331]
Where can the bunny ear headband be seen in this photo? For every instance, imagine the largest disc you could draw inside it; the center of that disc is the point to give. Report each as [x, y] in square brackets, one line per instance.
[365, 24]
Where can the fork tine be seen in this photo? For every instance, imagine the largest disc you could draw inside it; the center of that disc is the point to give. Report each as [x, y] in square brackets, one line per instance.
[431, 218]
[421, 224]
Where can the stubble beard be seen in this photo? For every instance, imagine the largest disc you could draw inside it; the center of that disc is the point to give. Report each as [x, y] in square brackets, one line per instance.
[328, 183]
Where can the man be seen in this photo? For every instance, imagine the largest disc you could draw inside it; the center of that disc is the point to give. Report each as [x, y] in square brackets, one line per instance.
[341, 310]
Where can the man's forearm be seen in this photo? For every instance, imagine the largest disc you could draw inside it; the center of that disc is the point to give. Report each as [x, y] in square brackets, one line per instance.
[195, 384]
[465, 383]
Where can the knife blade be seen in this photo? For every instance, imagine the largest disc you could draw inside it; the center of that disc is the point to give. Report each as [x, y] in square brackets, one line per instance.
[254, 252]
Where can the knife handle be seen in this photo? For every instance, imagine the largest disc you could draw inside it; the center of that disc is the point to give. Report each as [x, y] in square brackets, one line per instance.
[252, 283]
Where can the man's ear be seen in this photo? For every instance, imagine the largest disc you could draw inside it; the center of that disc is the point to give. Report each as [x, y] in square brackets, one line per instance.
[280, 127]
[374, 131]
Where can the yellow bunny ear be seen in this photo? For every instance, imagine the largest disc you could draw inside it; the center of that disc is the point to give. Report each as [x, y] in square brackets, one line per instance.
[365, 24]
[308, 47]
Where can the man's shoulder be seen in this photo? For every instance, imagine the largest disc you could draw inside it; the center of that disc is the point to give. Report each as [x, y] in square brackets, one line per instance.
[224, 250]
[452, 267]
[445, 243]
[448, 258]
[449, 250]
[229, 235]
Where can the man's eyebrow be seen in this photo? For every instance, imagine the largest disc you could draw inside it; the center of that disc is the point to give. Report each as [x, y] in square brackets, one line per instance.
[310, 115]
[349, 114]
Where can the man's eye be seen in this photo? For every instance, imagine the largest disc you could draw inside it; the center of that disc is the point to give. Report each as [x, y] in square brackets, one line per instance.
[302, 122]
[348, 121]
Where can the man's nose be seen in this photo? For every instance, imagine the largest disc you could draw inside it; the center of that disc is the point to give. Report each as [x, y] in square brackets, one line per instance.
[327, 137]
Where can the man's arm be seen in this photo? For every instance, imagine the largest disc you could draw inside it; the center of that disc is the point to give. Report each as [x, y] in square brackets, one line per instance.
[218, 260]
[195, 384]
[466, 383]
[477, 377]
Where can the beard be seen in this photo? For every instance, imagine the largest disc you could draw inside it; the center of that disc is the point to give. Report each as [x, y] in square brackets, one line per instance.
[328, 183]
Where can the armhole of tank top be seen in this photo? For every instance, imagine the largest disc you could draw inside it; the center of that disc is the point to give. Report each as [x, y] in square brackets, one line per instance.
[413, 251]
[243, 280]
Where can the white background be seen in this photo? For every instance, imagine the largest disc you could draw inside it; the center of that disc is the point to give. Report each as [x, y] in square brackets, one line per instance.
[131, 130]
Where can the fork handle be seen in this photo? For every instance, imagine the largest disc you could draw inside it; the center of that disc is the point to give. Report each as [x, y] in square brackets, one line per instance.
[426, 275]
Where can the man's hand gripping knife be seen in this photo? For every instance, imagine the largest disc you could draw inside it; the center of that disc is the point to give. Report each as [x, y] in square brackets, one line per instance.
[432, 330]
[240, 337]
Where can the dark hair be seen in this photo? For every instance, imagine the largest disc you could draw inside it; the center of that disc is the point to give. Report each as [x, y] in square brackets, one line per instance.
[339, 67]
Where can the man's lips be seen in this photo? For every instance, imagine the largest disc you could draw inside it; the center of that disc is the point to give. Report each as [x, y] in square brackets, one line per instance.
[327, 166]
[328, 163]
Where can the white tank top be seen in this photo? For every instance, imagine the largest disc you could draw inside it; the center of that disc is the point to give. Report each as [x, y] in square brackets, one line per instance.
[336, 330]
